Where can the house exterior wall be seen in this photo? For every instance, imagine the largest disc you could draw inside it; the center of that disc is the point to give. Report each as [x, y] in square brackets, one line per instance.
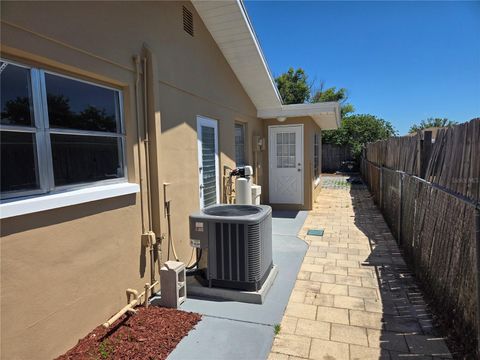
[309, 128]
[65, 271]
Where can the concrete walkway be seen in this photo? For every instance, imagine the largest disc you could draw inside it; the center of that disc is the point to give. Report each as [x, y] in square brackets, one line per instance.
[354, 297]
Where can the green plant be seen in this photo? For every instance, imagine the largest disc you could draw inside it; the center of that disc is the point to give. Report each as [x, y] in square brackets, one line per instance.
[293, 86]
[277, 328]
[357, 130]
[104, 349]
[431, 123]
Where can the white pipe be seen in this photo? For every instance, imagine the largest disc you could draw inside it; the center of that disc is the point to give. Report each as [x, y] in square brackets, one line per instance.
[131, 304]
[146, 141]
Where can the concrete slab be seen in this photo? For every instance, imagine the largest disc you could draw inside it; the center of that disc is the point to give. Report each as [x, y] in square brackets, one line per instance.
[215, 338]
[288, 252]
[197, 290]
[288, 222]
[241, 330]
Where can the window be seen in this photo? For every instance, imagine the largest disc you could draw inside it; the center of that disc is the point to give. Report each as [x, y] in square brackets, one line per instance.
[57, 132]
[240, 145]
[316, 156]
[286, 150]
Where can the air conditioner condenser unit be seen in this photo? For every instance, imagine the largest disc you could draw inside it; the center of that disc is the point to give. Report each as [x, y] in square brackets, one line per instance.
[236, 244]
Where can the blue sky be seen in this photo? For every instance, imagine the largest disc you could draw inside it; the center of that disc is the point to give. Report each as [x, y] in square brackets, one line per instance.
[401, 61]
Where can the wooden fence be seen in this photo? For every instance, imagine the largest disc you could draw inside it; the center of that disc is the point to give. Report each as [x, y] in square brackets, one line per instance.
[333, 157]
[436, 220]
[451, 160]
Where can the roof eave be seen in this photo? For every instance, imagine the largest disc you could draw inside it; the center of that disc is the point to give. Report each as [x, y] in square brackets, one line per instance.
[325, 114]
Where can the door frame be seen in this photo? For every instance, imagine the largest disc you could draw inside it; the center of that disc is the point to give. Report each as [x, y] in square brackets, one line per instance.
[205, 121]
[271, 161]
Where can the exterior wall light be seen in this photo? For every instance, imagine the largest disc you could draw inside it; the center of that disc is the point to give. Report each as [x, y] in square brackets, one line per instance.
[281, 118]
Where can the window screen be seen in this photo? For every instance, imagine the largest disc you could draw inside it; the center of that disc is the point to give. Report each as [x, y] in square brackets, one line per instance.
[240, 144]
[209, 166]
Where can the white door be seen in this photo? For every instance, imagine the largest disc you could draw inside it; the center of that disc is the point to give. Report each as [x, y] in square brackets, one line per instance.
[208, 164]
[285, 153]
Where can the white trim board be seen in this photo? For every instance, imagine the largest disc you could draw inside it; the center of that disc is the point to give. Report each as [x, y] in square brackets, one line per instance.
[48, 202]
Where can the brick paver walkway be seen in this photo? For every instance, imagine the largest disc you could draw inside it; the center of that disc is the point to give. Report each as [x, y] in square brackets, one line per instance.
[354, 297]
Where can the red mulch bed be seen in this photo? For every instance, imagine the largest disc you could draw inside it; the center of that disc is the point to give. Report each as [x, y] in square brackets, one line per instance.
[151, 333]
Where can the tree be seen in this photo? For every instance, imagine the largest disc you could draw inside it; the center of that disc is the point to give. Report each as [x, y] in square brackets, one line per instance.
[293, 86]
[431, 122]
[17, 111]
[357, 130]
[332, 94]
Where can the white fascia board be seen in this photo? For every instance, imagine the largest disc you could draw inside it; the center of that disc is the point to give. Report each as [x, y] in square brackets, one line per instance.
[259, 49]
[230, 27]
[295, 110]
[39, 203]
[325, 114]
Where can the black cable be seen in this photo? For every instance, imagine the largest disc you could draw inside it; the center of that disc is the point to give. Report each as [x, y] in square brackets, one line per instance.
[195, 264]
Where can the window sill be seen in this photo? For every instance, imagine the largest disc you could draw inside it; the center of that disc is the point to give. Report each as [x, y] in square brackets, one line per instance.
[67, 198]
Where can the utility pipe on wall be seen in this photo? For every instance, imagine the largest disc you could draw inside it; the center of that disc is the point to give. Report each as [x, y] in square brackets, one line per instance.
[136, 59]
[147, 167]
[131, 304]
[148, 236]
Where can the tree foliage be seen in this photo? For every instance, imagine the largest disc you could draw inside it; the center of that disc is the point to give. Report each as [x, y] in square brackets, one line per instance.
[332, 94]
[293, 86]
[60, 114]
[431, 122]
[357, 130]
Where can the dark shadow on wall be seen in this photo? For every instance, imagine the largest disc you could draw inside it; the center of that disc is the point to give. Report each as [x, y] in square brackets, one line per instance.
[42, 219]
[406, 327]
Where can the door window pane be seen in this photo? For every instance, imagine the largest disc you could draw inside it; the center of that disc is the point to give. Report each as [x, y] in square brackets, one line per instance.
[208, 166]
[77, 105]
[16, 95]
[80, 159]
[19, 166]
[286, 150]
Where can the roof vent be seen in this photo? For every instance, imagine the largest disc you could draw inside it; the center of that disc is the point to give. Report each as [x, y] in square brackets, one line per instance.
[187, 21]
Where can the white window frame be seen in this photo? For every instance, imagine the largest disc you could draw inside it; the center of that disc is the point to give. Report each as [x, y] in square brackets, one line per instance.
[42, 131]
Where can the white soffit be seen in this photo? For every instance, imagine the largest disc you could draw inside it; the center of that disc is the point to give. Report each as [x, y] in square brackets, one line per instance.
[228, 23]
[325, 114]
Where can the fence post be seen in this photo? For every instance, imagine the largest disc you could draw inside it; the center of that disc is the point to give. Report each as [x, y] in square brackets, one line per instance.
[477, 248]
[426, 150]
[380, 201]
[418, 170]
[400, 201]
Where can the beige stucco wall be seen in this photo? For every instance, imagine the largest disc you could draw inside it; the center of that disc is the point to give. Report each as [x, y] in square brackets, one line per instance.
[64, 271]
[309, 129]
